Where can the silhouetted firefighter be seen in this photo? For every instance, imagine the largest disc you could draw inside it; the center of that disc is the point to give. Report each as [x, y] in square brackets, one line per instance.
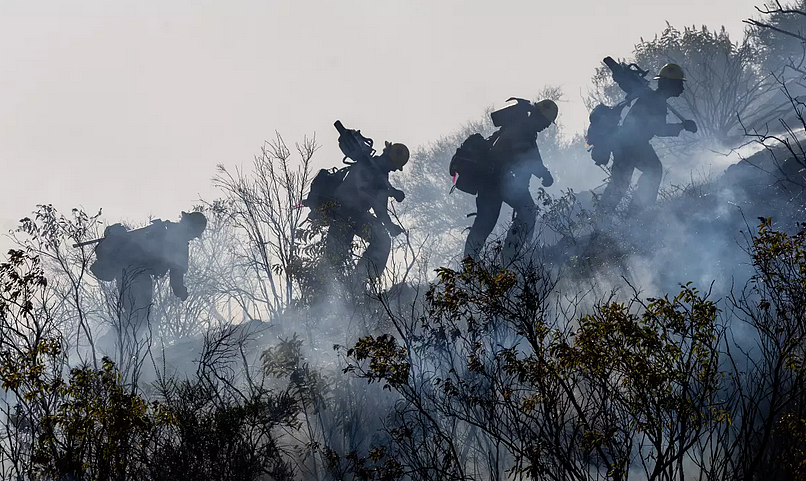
[498, 169]
[629, 142]
[133, 258]
[342, 199]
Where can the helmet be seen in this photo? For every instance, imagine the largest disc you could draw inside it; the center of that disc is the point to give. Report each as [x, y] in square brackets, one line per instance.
[671, 71]
[196, 221]
[398, 154]
[547, 109]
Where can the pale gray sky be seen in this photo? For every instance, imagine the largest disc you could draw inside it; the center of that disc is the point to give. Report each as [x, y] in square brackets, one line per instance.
[129, 105]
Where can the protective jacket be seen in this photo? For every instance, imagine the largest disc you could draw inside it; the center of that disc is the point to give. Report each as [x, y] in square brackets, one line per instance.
[366, 187]
[647, 119]
[514, 150]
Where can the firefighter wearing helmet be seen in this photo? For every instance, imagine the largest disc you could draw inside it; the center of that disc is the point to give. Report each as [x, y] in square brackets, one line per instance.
[645, 119]
[134, 258]
[360, 209]
[514, 159]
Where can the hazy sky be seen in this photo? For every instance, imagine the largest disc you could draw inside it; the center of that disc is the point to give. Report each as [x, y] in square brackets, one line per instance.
[129, 105]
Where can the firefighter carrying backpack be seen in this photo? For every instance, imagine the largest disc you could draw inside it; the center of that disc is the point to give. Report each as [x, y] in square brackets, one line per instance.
[323, 189]
[470, 165]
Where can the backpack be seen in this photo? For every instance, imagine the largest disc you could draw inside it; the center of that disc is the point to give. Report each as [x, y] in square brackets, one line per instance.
[323, 188]
[472, 164]
[603, 131]
[107, 263]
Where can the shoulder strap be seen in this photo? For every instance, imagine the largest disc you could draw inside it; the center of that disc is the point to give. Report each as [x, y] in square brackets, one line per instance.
[626, 103]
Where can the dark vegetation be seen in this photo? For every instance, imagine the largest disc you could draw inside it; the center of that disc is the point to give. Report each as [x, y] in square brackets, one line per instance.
[593, 357]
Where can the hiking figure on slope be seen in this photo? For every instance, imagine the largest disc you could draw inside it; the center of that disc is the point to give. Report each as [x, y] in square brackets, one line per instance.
[498, 169]
[343, 199]
[133, 258]
[631, 148]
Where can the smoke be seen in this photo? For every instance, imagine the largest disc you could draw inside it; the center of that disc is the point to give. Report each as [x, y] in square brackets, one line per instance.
[253, 288]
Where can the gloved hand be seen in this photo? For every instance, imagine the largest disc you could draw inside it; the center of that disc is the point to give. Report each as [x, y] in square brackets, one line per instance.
[690, 125]
[394, 230]
[398, 195]
[547, 179]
